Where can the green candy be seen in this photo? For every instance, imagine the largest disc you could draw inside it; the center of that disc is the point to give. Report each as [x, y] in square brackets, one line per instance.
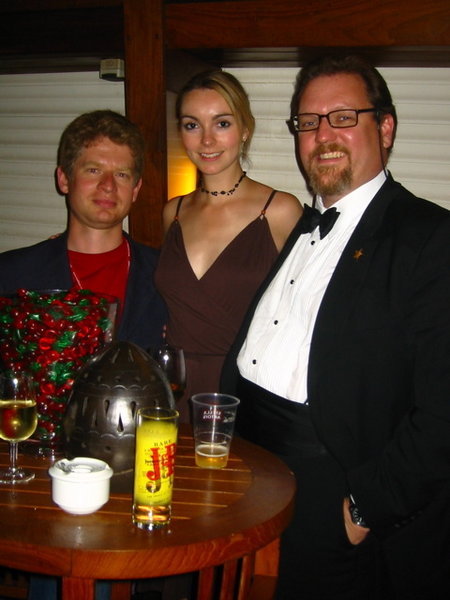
[65, 340]
[104, 323]
[78, 314]
[59, 372]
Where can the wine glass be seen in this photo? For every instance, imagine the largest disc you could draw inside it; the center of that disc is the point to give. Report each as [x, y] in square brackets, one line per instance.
[171, 360]
[18, 420]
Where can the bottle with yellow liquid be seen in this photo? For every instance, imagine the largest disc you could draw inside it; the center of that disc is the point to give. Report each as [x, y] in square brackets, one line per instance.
[156, 442]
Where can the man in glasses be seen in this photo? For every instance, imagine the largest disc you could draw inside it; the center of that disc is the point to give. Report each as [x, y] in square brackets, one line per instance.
[343, 363]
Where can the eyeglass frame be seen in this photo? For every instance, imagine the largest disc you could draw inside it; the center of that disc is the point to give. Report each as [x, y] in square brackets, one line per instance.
[293, 121]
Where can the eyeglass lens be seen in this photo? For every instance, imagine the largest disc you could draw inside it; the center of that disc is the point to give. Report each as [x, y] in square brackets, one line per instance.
[336, 118]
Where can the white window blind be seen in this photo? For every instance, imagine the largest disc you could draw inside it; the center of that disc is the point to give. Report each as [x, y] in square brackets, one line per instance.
[421, 155]
[34, 109]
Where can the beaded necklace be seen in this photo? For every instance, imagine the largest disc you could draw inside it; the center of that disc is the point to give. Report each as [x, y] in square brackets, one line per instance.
[224, 192]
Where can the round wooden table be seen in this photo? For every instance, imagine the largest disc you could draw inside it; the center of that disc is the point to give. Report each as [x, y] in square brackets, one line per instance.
[219, 517]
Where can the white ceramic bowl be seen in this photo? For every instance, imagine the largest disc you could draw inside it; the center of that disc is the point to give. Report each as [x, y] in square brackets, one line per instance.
[80, 486]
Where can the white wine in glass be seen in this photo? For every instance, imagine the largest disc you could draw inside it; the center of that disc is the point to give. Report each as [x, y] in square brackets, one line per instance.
[18, 420]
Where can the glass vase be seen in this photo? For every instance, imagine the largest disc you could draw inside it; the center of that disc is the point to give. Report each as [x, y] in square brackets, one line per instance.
[51, 334]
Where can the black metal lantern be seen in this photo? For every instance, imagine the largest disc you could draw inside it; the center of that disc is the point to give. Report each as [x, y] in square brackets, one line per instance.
[100, 417]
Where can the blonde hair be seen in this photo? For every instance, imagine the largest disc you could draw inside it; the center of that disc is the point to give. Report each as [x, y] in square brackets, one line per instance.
[232, 92]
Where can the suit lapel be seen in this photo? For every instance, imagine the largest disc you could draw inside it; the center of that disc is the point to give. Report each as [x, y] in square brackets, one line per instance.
[57, 274]
[342, 293]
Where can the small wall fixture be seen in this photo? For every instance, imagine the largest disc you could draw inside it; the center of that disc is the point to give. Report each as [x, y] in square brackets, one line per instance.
[112, 69]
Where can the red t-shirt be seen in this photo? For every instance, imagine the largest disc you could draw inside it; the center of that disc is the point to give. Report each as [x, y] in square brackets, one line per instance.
[104, 273]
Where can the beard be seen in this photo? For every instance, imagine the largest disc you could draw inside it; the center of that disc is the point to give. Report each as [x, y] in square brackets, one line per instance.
[329, 181]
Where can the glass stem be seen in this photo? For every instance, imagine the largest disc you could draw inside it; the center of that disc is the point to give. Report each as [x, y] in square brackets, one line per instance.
[13, 446]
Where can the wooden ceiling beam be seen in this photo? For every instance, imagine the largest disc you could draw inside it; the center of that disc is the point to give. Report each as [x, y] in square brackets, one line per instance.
[262, 23]
[390, 32]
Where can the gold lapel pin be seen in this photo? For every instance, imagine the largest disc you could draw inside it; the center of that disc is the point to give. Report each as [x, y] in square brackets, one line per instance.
[358, 253]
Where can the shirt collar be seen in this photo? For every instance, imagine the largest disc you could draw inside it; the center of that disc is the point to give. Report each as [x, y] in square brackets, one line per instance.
[352, 206]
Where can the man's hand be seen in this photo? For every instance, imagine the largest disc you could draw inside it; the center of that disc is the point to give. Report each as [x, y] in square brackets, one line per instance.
[355, 533]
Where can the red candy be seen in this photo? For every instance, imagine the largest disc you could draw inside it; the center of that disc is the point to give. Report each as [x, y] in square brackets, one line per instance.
[53, 335]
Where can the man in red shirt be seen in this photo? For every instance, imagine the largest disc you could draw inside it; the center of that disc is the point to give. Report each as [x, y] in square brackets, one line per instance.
[100, 164]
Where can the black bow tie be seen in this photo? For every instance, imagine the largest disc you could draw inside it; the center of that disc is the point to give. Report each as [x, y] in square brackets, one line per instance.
[312, 218]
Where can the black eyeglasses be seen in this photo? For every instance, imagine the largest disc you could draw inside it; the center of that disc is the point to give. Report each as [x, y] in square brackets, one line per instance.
[340, 119]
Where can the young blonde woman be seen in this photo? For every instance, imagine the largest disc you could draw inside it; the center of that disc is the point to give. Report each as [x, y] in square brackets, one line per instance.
[222, 238]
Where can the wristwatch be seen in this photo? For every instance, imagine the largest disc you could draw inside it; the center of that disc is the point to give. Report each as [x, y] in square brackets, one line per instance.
[357, 519]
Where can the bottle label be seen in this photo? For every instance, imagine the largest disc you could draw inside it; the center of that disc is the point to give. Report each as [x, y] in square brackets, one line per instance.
[155, 462]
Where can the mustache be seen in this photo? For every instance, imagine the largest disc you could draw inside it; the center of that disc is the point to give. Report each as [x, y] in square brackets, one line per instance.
[324, 148]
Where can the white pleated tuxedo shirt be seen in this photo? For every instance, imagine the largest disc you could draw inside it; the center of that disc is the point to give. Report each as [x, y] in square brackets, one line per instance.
[276, 351]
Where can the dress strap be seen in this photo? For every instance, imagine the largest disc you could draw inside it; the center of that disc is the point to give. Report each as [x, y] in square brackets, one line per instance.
[266, 206]
[180, 200]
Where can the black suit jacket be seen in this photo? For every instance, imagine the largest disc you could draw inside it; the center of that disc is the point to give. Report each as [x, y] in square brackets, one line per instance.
[46, 266]
[379, 371]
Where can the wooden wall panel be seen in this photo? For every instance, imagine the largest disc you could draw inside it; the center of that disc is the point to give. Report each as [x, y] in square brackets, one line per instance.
[145, 100]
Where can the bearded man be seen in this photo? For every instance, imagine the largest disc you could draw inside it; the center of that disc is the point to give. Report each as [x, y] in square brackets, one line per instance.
[342, 363]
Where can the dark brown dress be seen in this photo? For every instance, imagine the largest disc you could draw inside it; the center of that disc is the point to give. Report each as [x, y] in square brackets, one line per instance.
[205, 313]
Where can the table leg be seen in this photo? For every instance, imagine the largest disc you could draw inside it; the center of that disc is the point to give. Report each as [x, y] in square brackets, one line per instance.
[121, 590]
[267, 558]
[228, 583]
[246, 578]
[264, 579]
[205, 584]
[230, 588]
[75, 588]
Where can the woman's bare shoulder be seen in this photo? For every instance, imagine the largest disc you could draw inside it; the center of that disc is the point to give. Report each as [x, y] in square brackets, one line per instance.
[285, 204]
[169, 211]
[280, 199]
[282, 214]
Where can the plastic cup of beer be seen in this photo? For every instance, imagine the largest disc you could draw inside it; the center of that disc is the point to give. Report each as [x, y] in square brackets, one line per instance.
[156, 442]
[213, 416]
